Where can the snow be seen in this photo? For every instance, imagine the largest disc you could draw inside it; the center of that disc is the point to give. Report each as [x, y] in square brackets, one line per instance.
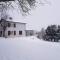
[28, 48]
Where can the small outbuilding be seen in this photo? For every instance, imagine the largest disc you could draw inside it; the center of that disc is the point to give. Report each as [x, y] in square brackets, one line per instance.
[31, 33]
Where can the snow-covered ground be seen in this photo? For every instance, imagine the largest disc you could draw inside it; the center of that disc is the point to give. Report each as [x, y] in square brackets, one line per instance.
[28, 48]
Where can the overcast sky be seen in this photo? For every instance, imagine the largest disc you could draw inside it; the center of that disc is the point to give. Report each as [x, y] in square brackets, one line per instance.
[41, 17]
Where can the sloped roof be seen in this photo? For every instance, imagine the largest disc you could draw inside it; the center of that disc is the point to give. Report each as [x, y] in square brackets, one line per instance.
[16, 21]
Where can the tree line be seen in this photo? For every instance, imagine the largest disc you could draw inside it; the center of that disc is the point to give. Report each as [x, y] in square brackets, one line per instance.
[51, 33]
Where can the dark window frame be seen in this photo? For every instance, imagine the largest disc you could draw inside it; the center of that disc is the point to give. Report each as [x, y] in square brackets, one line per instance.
[14, 25]
[20, 32]
[9, 32]
[1, 32]
[9, 24]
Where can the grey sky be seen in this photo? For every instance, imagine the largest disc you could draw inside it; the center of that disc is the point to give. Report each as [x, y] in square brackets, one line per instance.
[41, 17]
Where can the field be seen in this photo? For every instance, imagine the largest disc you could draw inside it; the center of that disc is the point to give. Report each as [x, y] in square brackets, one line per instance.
[28, 48]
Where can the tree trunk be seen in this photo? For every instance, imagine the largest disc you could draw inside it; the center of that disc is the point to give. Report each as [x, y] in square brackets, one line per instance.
[4, 29]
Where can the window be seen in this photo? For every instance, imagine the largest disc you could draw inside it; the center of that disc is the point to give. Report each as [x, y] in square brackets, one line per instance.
[14, 32]
[14, 25]
[9, 32]
[20, 32]
[1, 32]
[9, 24]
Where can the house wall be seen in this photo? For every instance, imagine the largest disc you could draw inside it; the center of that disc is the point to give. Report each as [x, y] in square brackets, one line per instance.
[19, 27]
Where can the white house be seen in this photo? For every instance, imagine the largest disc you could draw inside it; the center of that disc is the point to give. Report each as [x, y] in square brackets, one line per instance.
[13, 29]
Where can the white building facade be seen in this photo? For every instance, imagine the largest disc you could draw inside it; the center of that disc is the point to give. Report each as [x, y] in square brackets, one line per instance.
[14, 29]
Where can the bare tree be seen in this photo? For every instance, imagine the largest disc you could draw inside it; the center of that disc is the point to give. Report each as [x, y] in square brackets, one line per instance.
[23, 5]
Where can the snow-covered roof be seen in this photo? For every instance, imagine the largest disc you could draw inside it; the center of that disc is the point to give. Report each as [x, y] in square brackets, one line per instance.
[16, 21]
